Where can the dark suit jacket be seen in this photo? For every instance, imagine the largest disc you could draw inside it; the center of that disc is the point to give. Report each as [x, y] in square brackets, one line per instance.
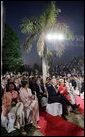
[38, 93]
[32, 86]
[73, 83]
[52, 95]
[82, 88]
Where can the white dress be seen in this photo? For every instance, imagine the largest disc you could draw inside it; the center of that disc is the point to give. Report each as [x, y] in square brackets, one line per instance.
[72, 96]
[25, 96]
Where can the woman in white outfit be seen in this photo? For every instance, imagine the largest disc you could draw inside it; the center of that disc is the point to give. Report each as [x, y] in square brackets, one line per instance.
[28, 101]
[71, 91]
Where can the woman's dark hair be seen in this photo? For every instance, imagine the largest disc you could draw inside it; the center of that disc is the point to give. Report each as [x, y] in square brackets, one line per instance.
[8, 87]
[24, 81]
[36, 79]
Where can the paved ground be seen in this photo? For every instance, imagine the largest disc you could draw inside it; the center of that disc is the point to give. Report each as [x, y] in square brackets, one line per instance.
[75, 118]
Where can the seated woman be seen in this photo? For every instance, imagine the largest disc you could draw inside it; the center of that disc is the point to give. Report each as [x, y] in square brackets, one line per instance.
[12, 104]
[71, 91]
[28, 100]
[40, 92]
[55, 96]
[63, 90]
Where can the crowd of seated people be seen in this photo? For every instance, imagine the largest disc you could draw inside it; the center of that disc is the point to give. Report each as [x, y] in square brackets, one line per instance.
[19, 92]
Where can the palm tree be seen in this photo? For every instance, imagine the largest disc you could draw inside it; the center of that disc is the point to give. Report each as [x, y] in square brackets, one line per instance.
[38, 28]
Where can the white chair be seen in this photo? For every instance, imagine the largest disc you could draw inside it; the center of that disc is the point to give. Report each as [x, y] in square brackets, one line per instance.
[8, 122]
[77, 91]
[11, 119]
[4, 121]
[28, 116]
[54, 109]
[43, 102]
[82, 95]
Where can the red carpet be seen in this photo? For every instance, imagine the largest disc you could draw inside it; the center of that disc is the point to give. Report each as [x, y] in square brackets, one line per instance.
[81, 102]
[56, 126]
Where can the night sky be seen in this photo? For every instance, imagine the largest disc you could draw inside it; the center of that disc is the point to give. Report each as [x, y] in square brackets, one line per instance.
[72, 14]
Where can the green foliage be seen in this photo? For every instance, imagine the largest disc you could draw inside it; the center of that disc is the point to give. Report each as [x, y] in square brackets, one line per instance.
[11, 54]
[30, 25]
[45, 24]
[60, 28]
[28, 42]
[60, 49]
[48, 18]
[36, 26]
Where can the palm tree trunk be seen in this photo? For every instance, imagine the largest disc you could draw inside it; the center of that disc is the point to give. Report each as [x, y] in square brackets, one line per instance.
[44, 63]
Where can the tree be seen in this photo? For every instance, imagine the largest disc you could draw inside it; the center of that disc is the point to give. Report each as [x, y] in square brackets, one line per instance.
[38, 28]
[11, 55]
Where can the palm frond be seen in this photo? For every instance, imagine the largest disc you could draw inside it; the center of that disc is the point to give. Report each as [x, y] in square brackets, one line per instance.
[60, 49]
[30, 25]
[61, 28]
[28, 42]
[48, 18]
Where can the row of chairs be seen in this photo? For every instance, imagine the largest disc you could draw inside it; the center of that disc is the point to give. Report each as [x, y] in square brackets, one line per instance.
[54, 109]
[8, 122]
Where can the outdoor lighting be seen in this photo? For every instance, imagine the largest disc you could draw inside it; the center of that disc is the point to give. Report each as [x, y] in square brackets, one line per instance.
[60, 37]
[54, 36]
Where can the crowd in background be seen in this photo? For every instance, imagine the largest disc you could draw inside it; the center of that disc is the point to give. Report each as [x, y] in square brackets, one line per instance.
[74, 68]
[21, 91]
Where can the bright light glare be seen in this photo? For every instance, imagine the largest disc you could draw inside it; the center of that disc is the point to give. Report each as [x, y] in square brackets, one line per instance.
[54, 36]
[60, 37]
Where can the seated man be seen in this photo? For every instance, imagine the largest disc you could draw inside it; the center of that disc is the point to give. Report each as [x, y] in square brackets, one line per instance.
[73, 81]
[17, 84]
[82, 85]
[32, 84]
[47, 81]
[82, 89]
[55, 96]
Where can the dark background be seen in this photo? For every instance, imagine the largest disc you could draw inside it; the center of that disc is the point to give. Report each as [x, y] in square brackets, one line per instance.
[72, 14]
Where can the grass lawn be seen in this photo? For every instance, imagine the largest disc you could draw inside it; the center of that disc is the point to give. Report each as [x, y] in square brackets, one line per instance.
[31, 131]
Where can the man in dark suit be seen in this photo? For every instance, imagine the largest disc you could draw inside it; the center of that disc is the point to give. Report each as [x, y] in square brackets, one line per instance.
[55, 96]
[82, 87]
[32, 84]
[73, 81]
